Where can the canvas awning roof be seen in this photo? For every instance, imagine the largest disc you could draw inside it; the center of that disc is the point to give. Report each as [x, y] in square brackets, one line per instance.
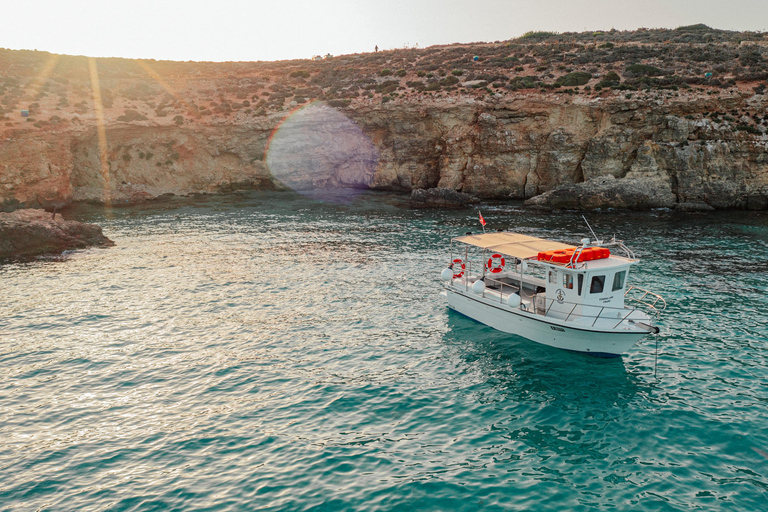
[512, 244]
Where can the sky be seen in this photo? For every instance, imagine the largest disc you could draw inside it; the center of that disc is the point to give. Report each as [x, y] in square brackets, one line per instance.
[250, 30]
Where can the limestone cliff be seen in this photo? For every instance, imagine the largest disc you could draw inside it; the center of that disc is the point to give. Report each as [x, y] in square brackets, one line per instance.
[123, 132]
[652, 155]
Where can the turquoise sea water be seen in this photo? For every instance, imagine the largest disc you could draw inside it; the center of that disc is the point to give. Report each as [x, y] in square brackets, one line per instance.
[270, 351]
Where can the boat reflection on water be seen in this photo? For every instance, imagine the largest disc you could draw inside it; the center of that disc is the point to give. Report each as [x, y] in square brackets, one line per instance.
[526, 371]
[544, 401]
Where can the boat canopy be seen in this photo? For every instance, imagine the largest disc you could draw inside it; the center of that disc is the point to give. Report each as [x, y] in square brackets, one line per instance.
[513, 244]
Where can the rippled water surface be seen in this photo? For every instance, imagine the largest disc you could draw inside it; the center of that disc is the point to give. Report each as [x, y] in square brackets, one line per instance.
[272, 351]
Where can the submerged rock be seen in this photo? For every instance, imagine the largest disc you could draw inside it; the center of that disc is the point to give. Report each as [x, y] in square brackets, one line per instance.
[29, 232]
[441, 197]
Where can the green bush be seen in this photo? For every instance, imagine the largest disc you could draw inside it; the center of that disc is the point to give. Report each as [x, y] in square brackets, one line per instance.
[389, 89]
[748, 128]
[538, 35]
[699, 27]
[573, 79]
[300, 74]
[179, 120]
[524, 82]
[457, 72]
[609, 80]
[434, 86]
[401, 72]
[385, 72]
[643, 70]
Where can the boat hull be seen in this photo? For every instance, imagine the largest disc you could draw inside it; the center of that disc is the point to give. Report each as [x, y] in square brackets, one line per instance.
[551, 332]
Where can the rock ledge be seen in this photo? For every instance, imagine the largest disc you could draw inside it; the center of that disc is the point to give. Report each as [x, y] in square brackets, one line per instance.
[27, 233]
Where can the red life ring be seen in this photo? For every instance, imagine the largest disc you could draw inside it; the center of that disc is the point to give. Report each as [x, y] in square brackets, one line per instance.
[495, 263]
[458, 264]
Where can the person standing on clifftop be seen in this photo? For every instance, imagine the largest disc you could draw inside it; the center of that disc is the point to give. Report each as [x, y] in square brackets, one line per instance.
[376, 48]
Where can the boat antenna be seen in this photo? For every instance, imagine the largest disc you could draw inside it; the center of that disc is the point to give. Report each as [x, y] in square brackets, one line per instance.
[590, 228]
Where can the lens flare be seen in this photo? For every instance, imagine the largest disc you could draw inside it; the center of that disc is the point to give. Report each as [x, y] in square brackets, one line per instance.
[35, 85]
[316, 148]
[101, 131]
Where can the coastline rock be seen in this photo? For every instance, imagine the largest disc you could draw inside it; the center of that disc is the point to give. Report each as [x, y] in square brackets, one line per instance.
[441, 197]
[608, 192]
[30, 232]
[693, 207]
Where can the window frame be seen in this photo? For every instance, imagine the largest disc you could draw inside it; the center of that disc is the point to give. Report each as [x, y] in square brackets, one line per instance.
[599, 279]
[623, 274]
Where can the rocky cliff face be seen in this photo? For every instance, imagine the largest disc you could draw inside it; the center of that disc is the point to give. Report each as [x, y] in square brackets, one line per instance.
[643, 119]
[557, 151]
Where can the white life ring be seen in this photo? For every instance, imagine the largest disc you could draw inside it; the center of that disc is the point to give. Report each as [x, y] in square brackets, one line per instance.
[495, 263]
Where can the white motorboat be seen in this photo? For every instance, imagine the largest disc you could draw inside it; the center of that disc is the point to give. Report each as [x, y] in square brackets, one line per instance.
[571, 297]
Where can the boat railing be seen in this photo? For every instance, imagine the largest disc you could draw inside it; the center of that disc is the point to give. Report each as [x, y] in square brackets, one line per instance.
[618, 314]
[620, 245]
[653, 303]
[636, 299]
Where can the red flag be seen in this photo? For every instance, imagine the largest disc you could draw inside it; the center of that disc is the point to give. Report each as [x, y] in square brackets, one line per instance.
[482, 220]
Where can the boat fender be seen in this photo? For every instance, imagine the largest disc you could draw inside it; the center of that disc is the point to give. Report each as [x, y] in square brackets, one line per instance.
[478, 287]
[446, 274]
[513, 300]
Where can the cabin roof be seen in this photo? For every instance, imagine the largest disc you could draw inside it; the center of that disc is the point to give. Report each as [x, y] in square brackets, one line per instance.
[513, 244]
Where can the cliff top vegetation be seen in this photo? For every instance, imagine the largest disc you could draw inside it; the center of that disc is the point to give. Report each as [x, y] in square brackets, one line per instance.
[70, 92]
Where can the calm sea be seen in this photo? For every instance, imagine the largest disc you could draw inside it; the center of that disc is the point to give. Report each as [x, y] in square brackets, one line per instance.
[270, 351]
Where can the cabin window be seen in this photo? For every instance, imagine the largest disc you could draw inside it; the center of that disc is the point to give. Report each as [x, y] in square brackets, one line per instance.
[553, 276]
[618, 280]
[597, 285]
[581, 283]
[568, 281]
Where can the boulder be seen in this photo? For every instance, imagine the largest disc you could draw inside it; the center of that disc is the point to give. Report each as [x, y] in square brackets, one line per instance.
[608, 192]
[29, 232]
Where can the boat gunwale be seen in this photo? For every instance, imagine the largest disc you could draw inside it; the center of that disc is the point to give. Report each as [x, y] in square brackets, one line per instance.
[549, 320]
